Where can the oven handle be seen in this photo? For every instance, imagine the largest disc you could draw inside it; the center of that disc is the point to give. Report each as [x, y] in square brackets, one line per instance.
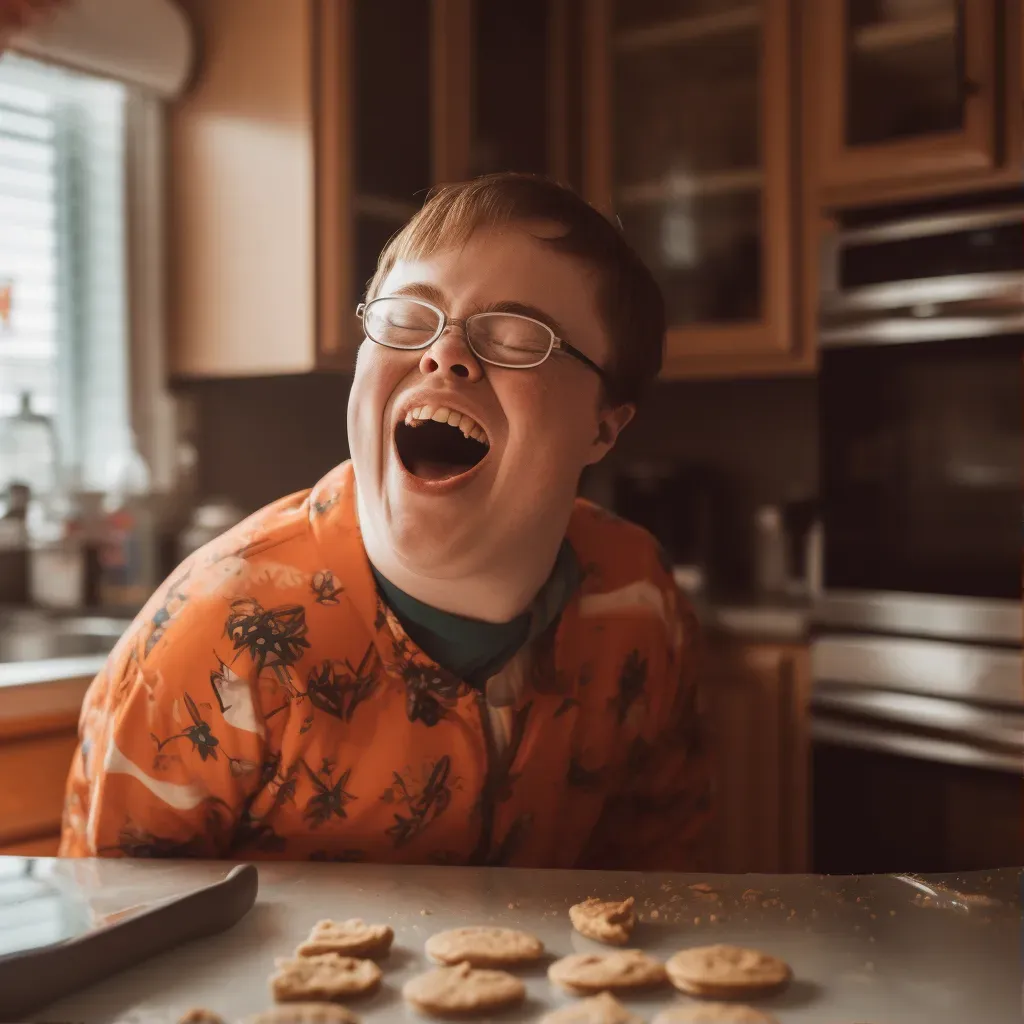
[903, 330]
[922, 748]
[937, 291]
[987, 727]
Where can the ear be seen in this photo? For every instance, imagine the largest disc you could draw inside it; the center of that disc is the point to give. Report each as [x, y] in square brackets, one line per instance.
[610, 423]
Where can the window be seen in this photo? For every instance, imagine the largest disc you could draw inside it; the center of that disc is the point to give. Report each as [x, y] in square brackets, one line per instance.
[63, 295]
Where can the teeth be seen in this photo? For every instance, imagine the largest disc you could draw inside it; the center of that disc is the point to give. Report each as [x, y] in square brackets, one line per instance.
[468, 425]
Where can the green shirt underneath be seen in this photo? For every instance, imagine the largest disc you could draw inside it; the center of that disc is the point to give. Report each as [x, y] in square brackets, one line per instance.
[471, 649]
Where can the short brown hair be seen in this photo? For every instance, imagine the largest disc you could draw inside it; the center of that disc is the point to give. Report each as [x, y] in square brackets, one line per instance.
[629, 299]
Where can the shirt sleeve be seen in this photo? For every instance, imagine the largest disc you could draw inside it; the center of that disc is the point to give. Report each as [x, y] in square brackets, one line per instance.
[659, 817]
[171, 737]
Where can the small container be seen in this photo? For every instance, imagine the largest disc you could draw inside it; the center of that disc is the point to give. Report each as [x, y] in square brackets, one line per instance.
[56, 557]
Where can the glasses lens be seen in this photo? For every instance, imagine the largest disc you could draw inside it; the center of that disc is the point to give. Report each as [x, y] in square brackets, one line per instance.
[400, 323]
[508, 339]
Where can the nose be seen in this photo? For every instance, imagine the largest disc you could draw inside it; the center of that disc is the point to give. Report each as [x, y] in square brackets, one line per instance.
[450, 356]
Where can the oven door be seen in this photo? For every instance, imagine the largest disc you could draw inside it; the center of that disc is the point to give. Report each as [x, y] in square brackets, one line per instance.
[920, 468]
[918, 753]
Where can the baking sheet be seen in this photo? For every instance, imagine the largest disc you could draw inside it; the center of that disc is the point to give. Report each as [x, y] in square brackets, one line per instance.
[878, 948]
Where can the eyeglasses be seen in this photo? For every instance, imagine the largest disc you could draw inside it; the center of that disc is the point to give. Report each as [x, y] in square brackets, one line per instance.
[510, 340]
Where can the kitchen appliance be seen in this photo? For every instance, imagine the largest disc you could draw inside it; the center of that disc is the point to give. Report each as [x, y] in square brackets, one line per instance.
[687, 509]
[918, 704]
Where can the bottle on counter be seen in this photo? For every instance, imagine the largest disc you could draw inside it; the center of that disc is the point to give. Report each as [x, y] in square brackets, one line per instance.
[14, 545]
[129, 549]
[770, 561]
[38, 518]
[28, 451]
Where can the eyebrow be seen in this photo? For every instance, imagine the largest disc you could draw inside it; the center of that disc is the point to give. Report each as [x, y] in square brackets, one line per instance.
[421, 290]
[431, 293]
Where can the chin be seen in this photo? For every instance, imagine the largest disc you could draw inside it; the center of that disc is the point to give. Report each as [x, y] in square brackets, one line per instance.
[431, 541]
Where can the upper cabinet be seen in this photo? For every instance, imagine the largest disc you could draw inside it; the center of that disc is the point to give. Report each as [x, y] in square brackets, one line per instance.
[689, 144]
[314, 131]
[910, 96]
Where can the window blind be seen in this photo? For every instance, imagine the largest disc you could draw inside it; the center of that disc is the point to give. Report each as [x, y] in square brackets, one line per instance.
[63, 302]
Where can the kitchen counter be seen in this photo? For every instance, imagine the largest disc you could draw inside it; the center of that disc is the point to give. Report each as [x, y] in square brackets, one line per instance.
[47, 687]
[862, 949]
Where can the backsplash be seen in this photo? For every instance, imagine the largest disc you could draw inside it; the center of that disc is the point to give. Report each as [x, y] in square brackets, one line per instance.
[760, 434]
[262, 438]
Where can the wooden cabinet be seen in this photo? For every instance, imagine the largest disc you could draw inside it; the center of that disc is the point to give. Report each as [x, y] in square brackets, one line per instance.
[905, 97]
[35, 757]
[758, 695]
[313, 132]
[689, 143]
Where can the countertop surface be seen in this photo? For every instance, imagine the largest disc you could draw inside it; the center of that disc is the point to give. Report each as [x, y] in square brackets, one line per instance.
[871, 949]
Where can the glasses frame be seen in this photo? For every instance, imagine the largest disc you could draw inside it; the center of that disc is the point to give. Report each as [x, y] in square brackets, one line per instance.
[556, 344]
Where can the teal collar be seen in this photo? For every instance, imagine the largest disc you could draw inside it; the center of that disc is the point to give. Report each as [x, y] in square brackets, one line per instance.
[469, 648]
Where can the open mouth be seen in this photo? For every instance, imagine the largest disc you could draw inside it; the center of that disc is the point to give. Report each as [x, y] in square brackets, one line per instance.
[440, 444]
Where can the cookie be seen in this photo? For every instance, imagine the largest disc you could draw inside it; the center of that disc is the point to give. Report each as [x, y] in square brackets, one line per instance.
[604, 920]
[305, 1013]
[463, 989]
[326, 976]
[603, 1008]
[726, 972]
[201, 1016]
[484, 947]
[587, 973]
[714, 1013]
[347, 938]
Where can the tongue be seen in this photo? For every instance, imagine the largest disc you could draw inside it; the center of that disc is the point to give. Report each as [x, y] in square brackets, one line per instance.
[427, 470]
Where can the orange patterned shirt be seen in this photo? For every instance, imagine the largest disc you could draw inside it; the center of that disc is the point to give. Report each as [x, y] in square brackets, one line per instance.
[267, 704]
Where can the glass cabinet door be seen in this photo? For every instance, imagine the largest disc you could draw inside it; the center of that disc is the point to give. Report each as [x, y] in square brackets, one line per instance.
[391, 114]
[907, 88]
[688, 147]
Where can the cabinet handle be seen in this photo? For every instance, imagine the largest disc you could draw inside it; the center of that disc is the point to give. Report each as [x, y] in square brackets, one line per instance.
[971, 88]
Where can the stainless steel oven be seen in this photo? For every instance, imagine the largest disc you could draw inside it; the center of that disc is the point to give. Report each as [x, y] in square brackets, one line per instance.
[918, 700]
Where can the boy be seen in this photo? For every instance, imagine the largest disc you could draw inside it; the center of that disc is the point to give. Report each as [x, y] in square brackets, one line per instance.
[437, 654]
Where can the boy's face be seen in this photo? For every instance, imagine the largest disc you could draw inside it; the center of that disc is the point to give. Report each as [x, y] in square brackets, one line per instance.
[542, 425]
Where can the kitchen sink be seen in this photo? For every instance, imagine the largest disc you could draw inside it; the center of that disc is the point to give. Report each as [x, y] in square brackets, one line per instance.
[31, 635]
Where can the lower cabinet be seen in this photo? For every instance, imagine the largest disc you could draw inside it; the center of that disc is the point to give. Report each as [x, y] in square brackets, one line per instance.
[35, 757]
[759, 694]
